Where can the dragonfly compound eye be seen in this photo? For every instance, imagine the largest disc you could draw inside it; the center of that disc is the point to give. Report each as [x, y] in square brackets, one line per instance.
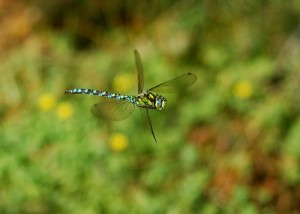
[160, 102]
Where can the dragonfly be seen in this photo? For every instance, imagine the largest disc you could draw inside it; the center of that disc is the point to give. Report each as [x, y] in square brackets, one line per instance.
[120, 106]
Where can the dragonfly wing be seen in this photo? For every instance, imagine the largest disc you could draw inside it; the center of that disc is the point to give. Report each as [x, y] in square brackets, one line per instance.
[140, 71]
[112, 109]
[150, 123]
[175, 84]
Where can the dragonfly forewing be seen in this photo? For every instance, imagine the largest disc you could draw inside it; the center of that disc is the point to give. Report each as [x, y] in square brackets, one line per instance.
[140, 71]
[179, 83]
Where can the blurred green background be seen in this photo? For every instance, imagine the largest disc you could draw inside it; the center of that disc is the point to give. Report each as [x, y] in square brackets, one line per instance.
[231, 144]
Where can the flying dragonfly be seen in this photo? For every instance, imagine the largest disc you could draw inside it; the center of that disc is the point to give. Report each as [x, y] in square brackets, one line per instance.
[120, 106]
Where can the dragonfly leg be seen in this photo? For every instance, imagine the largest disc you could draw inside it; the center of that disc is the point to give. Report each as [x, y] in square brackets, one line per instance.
[150, 123]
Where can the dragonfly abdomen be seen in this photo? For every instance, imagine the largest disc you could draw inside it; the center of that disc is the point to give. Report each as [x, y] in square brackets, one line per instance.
[102, 94]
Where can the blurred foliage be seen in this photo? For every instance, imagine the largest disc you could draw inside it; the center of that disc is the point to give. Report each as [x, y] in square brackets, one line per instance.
[231, 144]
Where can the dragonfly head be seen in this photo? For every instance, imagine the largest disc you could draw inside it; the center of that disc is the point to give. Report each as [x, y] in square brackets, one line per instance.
[160, 102]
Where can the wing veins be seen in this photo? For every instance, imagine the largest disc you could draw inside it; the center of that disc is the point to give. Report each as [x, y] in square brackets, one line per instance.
[139, 67]
[173, 85]
[112, 109]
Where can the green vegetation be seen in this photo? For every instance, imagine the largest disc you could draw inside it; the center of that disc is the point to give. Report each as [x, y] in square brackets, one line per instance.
[229, 145]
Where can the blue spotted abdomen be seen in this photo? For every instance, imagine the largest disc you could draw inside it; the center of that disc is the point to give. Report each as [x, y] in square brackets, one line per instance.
[102, 94]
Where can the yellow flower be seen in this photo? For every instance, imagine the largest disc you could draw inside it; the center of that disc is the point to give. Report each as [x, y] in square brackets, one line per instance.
[46, 102]
[64, 111]
[118, 142]
[122, 83]
[243, 89]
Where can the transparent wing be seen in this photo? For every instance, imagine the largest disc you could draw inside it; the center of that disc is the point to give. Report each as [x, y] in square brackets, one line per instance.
[140, 71]
[150, 123]
[175, 84]
[113, 109]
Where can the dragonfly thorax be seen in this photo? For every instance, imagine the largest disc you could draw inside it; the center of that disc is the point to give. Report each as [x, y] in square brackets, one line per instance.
[150, 100]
